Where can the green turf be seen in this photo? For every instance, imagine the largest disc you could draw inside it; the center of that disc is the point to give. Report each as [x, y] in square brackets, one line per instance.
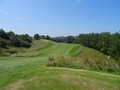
[31, 73]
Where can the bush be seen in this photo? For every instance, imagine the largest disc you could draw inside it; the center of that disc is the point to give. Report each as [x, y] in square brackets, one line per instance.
[20, 42]
[25, 37]
[15, 41]
[3, 43]
[25, 44]
[4, 35]
[47, 37]
[37, 37]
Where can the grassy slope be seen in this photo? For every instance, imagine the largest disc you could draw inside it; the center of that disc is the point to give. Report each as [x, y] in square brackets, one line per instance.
[31, 73]
[86, 58]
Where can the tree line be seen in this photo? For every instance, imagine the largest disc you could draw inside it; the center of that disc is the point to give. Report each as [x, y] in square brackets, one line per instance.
[22, 40]
[62, 39]
[12, 39]
[106, 42]
[38, 37]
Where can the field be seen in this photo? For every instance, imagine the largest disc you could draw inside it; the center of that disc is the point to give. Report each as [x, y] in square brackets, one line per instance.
[31, 73]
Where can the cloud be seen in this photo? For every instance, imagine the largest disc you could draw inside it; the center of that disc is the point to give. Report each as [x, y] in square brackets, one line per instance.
[12, 15]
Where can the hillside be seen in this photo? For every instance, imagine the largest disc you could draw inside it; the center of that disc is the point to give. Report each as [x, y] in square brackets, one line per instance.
[40, 48]
[30, 72]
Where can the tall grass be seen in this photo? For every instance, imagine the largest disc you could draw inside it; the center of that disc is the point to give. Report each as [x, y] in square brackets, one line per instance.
[89, 59]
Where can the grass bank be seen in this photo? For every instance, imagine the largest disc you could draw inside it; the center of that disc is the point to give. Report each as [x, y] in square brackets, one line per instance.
[86, 58]
[31, 73]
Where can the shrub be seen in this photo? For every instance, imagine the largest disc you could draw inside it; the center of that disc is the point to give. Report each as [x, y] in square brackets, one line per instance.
[4, 35]
[15, 41]
[25, 44]
[37, 37]
[3, 43]
[25, 37]
[84, 63]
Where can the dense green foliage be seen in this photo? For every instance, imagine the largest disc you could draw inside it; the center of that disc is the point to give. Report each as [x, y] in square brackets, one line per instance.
[3, 34]
[12, 39]
[59, 39]
[105, 42]
[68, 39]
[47, 37]
[37, 37]
[3, 43]
[42, 36]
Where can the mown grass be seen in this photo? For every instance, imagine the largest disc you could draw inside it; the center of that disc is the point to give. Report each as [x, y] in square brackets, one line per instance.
[75, 50]
[31, 73]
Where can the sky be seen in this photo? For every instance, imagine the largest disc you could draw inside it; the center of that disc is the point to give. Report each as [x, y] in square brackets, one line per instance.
[60, 17]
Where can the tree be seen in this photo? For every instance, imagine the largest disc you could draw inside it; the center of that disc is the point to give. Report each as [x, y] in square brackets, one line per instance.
[26, 37]
[37, 37]
[47, 37]
[104, 42]
[3, 34]
[114, 49]
[11, 34]
[3, 43]
[10, 38]
[25, 43]
[42, 36]
[15, 41]
[70, 39]
[59, 39]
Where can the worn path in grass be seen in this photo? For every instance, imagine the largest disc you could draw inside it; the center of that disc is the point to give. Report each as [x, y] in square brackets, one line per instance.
[31, 73]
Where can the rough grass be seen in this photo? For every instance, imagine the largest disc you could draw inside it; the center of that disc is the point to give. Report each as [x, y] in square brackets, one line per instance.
[89, 59]
[31, 73]
[32, 51]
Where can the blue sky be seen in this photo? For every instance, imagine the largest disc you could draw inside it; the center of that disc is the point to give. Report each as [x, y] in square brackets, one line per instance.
[60, 17]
